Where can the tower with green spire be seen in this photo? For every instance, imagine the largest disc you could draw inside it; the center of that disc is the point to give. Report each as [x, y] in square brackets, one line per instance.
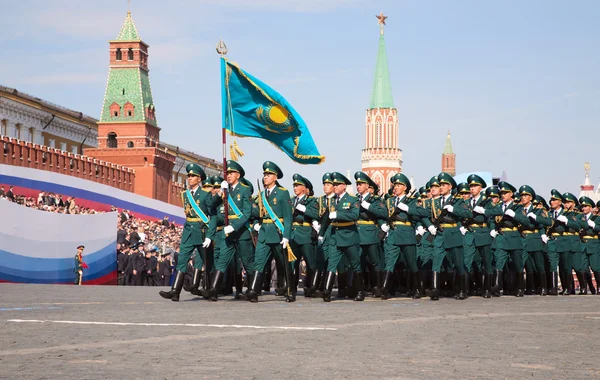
[128, 132]
[382, 156]
[448, 158]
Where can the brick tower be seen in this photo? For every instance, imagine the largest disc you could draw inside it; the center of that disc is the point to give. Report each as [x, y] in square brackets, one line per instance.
[128, 133]
[382, 158]
[448, 158]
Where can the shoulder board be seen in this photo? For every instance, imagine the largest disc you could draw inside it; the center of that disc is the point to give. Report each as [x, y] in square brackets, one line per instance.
[206, 190]
[282, 188]
[242, 184]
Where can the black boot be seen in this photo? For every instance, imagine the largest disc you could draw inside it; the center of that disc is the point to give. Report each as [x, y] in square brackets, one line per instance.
[291, 279]
[553, 291]
[435, 286]
[239, 287]
[193, 288]
[542, 280]
[359, 285]
[316, 284]
[329, 281]
[173, 294]
[530, 289]
[596, 290]
[464, 287]
[255, 286]
[387, 281]
[417, 286]
[520, 285]
[376, 286]
[342, 285]
[582, 283]
[588, 280]
[487, 285]
[451, 284]
[498, 283]
[213, 292]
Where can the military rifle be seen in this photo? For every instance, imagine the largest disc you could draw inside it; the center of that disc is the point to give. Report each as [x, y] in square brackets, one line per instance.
[512, 207]
[468, 221]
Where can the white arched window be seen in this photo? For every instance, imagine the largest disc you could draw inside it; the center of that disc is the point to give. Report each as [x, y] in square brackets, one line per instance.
[378, 142]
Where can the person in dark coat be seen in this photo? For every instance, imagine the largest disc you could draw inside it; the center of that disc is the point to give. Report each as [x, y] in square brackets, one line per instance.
[134, 237]
[139, 266]
[122, 260]
[165, 270]
[10, 195]
[151, 267]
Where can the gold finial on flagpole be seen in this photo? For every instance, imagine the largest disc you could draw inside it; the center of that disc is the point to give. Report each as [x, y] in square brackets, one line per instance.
[221, 47]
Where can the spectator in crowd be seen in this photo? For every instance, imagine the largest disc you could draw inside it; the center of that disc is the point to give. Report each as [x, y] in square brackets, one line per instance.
[124, 216]
[151, 267]
[1, 191]
[134, 237]
[165, 221]
[10, 195]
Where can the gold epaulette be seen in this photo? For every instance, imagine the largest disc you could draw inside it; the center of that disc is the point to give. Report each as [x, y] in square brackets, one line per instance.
[282, 188]
[244, 185]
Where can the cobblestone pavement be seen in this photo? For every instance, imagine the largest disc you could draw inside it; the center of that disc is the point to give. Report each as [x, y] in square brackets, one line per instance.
[98, 332]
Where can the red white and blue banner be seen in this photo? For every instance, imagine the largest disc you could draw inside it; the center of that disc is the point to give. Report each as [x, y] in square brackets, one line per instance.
[39, 247]
[30, 182]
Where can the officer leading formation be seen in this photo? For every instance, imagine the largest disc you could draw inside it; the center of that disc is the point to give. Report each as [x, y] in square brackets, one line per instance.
[441, 240]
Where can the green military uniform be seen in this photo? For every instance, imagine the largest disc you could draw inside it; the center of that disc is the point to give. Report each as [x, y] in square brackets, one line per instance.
[478, 226]
[425, 248]
[345, 239]
[448, 240]
[403, 213]
[508, 238]
[198, 232]
[565, 233]
[78, 270]
[590, 247]
[305, 214]
[234, 233]
[372, 211]
[324, 206]
[271, 239]
[533, 221]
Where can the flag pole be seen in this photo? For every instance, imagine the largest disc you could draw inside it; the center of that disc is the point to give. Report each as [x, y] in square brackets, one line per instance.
[222, 50]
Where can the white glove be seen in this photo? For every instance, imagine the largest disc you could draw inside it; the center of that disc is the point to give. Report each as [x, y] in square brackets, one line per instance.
[385, 227]
[257, 227]
[403, 206]
[562, 219]
[284, 243]
[545, 238]
[493, 233]
[532, 216]
[450, 208]
[228, 230]
[509, 212]
[591, 223]
[316, 226]
[320, 239]
[479, 210]
[206, 243]
[333, 215]
[463, 230]
[224, 185]
[420, 230]
[365, 205]
[432, 230]
[301, 208]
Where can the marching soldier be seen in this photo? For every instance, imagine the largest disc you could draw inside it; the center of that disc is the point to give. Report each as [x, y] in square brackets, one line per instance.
[508, 238]
[79, 265]
[274, 231]
[344, 237]
[323, 229]
[303, 238]
[372, 210]
[533, 221]
[197, 233]
[235, 235]
[479, 228]
[402, 215]
[424, 229]
[448, 238]
[565, 230]
[589, 238]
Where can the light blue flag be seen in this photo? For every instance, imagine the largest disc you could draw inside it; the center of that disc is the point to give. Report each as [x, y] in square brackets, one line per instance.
[253, 109]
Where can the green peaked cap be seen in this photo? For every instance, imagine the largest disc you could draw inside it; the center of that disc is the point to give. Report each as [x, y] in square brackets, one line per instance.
[196, 169]
[271, 167]
[474, 179]
[233, 166]
[339, 178]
